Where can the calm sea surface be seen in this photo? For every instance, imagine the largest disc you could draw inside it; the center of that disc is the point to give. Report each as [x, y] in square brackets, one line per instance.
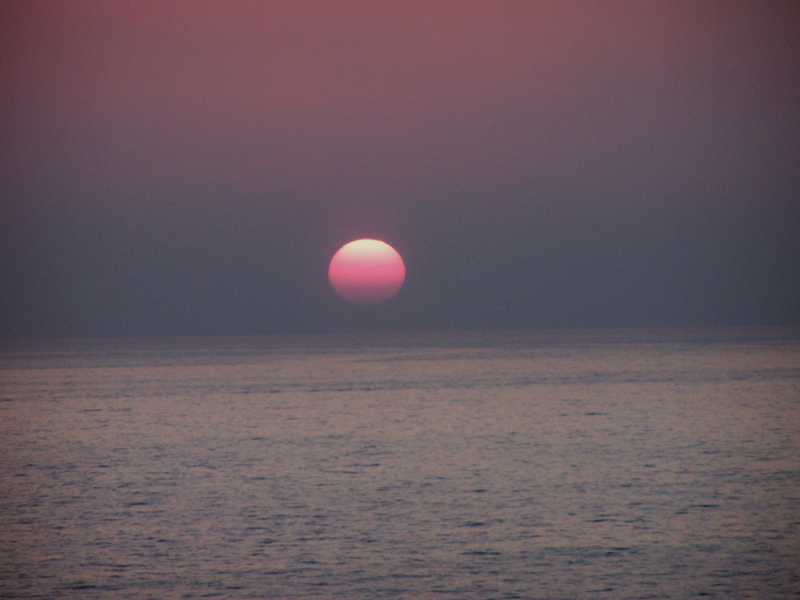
[504, 465]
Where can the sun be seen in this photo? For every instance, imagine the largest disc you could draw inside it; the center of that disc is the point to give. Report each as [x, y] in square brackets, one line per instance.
[367, 271]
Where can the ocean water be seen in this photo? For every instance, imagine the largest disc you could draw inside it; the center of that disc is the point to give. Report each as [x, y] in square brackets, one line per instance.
[629, 464]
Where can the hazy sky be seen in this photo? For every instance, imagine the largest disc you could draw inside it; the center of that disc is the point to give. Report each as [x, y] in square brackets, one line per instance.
[191, 167]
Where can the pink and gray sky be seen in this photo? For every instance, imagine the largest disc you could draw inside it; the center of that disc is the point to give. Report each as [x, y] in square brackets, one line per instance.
[172, 168]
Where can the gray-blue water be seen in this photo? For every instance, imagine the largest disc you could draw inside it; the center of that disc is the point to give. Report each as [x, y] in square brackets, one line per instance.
[516, 465]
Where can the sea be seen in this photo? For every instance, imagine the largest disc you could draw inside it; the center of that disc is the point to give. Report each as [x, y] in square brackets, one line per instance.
[479, 465]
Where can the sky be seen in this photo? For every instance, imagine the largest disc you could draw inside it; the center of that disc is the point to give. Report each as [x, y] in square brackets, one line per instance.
[190, 168]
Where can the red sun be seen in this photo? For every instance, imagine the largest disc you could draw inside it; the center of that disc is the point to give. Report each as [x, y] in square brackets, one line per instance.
[367, 271]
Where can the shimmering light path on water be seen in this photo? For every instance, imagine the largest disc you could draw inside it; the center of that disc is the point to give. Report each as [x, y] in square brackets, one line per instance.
[615, 465]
